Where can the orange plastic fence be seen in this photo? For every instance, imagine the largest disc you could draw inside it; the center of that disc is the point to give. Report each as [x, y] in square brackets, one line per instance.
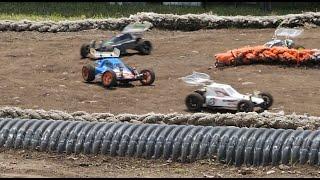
[262, 54]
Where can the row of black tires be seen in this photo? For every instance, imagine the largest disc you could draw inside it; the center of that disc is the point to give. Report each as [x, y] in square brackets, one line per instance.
[184, 143]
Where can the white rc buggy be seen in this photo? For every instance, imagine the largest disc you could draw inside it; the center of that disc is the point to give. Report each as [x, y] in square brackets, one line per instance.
[222, 96]
[287, 35]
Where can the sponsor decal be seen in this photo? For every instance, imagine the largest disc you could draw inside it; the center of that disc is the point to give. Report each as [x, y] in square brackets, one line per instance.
[226, 100]
[211, 101]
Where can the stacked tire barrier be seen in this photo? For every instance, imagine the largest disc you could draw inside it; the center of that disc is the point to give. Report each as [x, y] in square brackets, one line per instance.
[266, 55]
[230, 145]
[188, 22]
[252, 119]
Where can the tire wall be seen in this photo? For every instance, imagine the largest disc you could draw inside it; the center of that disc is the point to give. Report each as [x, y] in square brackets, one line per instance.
[230, 145]
[252, 119]
[188, 22]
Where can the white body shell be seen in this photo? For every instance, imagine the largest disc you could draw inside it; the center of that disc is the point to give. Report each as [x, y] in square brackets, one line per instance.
[225, 97]
[219, 96]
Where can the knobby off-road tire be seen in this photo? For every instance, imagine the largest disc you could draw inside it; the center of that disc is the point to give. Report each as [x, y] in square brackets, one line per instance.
[148, 77]
[268, 100]
[109, 79]
[194, 102]
[88, 73]
[245, 106]
[85, 50]
[144, 47]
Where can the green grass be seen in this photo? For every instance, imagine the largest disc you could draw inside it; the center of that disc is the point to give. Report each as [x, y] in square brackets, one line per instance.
[97, 10]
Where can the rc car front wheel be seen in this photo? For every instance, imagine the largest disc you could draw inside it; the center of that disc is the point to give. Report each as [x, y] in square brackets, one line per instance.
[85, 50]
[88, 73]
[109, 79]
[194, 102]
[268, 100]
[145, 47]
[245, 106]
[148, 77]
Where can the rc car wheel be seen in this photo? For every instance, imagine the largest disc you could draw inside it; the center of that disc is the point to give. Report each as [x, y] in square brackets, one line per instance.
[145, 47]
[88, 73]
[148, 77]
[123, 50]
[194, 102]
[268, 100]
[85, 50]
[245, 106]
[109, 79]
[298, 47]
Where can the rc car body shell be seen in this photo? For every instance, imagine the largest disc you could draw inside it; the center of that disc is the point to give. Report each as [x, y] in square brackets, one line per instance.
[287, 34]
[223, 96]
[123, 71]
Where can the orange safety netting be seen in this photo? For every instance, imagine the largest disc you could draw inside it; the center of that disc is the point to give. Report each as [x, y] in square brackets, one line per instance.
[263, 54]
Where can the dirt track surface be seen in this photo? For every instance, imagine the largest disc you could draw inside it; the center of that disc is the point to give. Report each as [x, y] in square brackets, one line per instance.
[20, 163]
[43, 70]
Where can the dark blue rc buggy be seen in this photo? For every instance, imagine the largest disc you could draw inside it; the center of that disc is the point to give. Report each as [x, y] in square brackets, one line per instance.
[114, 71]
[129, 38]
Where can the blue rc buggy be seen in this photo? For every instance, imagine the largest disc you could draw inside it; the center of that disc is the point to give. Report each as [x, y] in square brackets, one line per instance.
[114, 71]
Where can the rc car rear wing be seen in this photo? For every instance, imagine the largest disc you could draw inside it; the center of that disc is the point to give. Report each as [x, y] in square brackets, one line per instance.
[137, 28]
[98, 55]
[197, 79]
[288, 32]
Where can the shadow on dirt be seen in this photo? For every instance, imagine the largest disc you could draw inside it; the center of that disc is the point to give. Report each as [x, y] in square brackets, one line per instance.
[221, 111]
[119, 85]
[129, 54]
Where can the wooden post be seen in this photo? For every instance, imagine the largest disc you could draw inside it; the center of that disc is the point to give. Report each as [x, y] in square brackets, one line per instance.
[269, 6]
[266, 6]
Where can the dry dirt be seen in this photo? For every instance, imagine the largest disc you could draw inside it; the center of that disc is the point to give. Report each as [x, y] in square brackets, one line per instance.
[43, 70]
[21, 163]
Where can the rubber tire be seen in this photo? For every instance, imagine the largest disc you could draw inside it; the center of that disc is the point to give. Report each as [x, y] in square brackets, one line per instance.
[248, 103]
[84, 50]
[298, 47]
[198, 102]
[113, 81]
[267, 95]
[145, 47]
[123, 50]
[91, 73]
[153, 77]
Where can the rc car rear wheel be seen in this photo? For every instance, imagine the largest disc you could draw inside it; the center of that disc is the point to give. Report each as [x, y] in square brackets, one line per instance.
[245, 106]
[145, 47]
[88, 73]
[109, 79]
[298, 47]
[148, 77]
[85, 50]
[194, 102]
[122, 50]
[268, 100]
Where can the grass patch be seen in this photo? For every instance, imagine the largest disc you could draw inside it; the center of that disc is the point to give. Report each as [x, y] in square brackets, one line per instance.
[98, 10]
